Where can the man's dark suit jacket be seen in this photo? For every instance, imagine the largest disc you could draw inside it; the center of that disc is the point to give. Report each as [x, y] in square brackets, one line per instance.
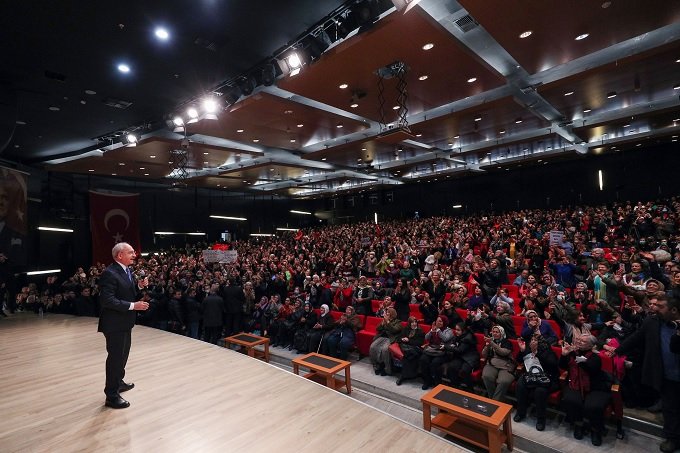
[117, 292]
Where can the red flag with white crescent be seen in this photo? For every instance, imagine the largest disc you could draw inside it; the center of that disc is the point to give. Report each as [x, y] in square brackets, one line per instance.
[299, 235]
[113, 219]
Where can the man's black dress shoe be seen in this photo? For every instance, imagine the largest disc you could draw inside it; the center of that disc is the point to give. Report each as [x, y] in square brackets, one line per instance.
[124, 387]
[116, 403]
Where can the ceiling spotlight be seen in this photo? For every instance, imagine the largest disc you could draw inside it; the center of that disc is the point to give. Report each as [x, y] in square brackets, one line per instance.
[192, 112]
[130, 140]
[239, 130]
[428, 46]
[396, 107]
[323, 159]
[676, 87]
[162, 34]
[300, 125]
[472, 79]
[478, 118]
[256, 140]
[210, 105]
[210, 109]
[339, 126]
[124, 68]
[456, 136]
[568, 93]
[525, 34]
[518, 121]
[293, 61]
[343, 86]
[423, 77]
[587, 110]
[178, 121]
[502, 131]
[611, 95]
[152, 157]
[355, 105]
[582, 37]
[292, 140]
[90, 170]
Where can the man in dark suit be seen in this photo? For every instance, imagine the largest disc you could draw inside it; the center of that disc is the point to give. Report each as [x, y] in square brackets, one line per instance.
[118, 290]
[661, 363]
[233, 302]
[213, 312]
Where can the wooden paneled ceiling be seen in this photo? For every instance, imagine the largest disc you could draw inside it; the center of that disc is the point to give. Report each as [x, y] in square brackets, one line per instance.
[473, 96]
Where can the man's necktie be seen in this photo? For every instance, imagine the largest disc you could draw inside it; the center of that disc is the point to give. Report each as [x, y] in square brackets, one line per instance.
[129, 274]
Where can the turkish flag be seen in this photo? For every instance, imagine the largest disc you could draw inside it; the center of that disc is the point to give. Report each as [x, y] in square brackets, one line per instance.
[113, 219]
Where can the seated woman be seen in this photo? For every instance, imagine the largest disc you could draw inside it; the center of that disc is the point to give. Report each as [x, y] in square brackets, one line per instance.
[450, 312]
[410, 342]
[503, 317]
[434, 356]
[538, 356]
[340, 340]
[535, 325]
[323, 325]
[285, 331]
[462, 351]
[303, 326]
[588, 393]
[386, 333]
[276, 326]
[499, 371]
[478, 321]
[428, 309]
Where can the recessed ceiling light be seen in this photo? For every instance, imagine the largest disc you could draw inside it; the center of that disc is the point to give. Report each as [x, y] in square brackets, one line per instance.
[123, 68]
[678, 60]
[239, 130]
[292, 140]
[205, 163]
[271, 169]
[205, 153]
[449, 144]
[300, 125]
[611, 94]
[456, 136]
[525, 34]
[146, 174]
[339, 126]
[343, 86]
[90, 92]
[676, 87]
[606, 4]
[428, 46]
[113, 174]
[142, 168]
[355, 105]
[363, 149]
[423, 77]
[21, 123]
[54, 108]
[639, 144]
[502, 131]
[256, 140]
[82, 101]
[568, 93]
[152, 157]
[323, 158]
[472, 79]
[161, 33]
[587, 110]
[396, 107]
[626, 125]
[518, 121]
[419, 135]
[478, 118]
[122, 164]
[90, 170]
[581, 37]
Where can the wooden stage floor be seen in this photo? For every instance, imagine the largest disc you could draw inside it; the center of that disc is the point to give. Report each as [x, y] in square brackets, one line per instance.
[189, 396]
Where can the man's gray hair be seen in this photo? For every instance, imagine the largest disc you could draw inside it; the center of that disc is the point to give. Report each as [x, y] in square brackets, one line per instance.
[119, 248]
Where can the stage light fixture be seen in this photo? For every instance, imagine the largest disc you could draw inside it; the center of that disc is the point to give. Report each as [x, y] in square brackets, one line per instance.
[231, 95]
[268, 74]
[247, 85]
[210, 107]
[192, 113]
[130, 140]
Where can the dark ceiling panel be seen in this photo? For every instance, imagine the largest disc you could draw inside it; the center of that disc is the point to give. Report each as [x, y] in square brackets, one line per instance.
[555, 25]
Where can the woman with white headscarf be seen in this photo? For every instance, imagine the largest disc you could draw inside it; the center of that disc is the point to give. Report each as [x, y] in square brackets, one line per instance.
[498, 373]
[323, 325]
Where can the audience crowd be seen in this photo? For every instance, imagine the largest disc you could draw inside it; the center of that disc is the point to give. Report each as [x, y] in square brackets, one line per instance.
[590, 285]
